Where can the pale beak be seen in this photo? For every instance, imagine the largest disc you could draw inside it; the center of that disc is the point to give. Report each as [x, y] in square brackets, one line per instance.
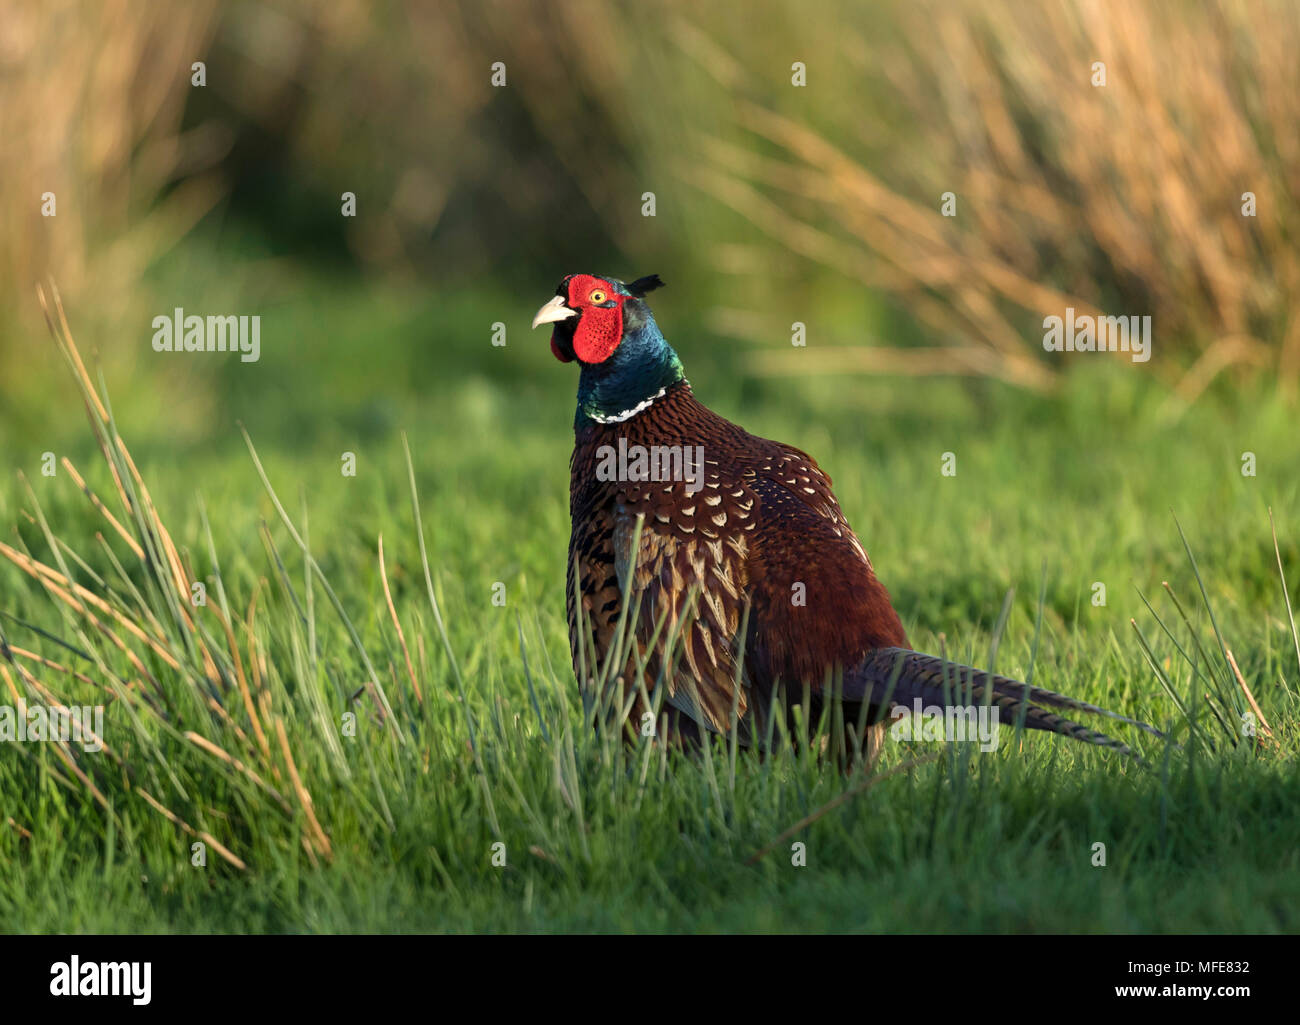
[553, 311]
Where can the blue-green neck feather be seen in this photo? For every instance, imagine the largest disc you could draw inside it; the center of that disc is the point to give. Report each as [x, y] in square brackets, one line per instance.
[642, 365]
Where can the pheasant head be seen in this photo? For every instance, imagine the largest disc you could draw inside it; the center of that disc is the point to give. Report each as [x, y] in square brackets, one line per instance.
[605, 326]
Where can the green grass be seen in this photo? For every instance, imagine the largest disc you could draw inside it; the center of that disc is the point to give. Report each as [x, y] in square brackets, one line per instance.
[1051, 495]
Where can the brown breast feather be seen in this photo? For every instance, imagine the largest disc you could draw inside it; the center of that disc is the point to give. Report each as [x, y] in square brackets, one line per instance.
[764, 521]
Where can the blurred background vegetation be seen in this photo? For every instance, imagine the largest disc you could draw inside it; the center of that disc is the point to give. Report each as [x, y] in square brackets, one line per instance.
[774, 203]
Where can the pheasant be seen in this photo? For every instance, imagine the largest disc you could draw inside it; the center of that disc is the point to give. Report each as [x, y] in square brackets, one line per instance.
[747, 592]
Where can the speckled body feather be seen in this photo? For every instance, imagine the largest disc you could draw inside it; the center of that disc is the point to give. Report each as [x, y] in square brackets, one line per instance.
[763, 521]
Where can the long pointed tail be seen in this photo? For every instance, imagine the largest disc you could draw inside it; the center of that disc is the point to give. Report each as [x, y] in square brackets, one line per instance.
[900, 676]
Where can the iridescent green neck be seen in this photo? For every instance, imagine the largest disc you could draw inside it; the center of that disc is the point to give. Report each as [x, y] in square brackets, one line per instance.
[640, 370]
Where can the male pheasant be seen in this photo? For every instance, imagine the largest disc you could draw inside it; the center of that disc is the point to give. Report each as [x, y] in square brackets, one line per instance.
[747, 588]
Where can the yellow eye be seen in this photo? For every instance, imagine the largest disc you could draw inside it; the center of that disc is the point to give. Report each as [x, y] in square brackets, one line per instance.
[597, 296]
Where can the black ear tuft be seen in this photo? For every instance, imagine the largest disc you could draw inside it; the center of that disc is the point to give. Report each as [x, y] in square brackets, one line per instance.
[641, 286]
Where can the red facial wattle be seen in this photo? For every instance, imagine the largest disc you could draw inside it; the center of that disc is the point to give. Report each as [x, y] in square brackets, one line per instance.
[599, 332]
[600, 328]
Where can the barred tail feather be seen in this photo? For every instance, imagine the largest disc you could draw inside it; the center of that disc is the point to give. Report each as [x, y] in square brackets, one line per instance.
[900, 676]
